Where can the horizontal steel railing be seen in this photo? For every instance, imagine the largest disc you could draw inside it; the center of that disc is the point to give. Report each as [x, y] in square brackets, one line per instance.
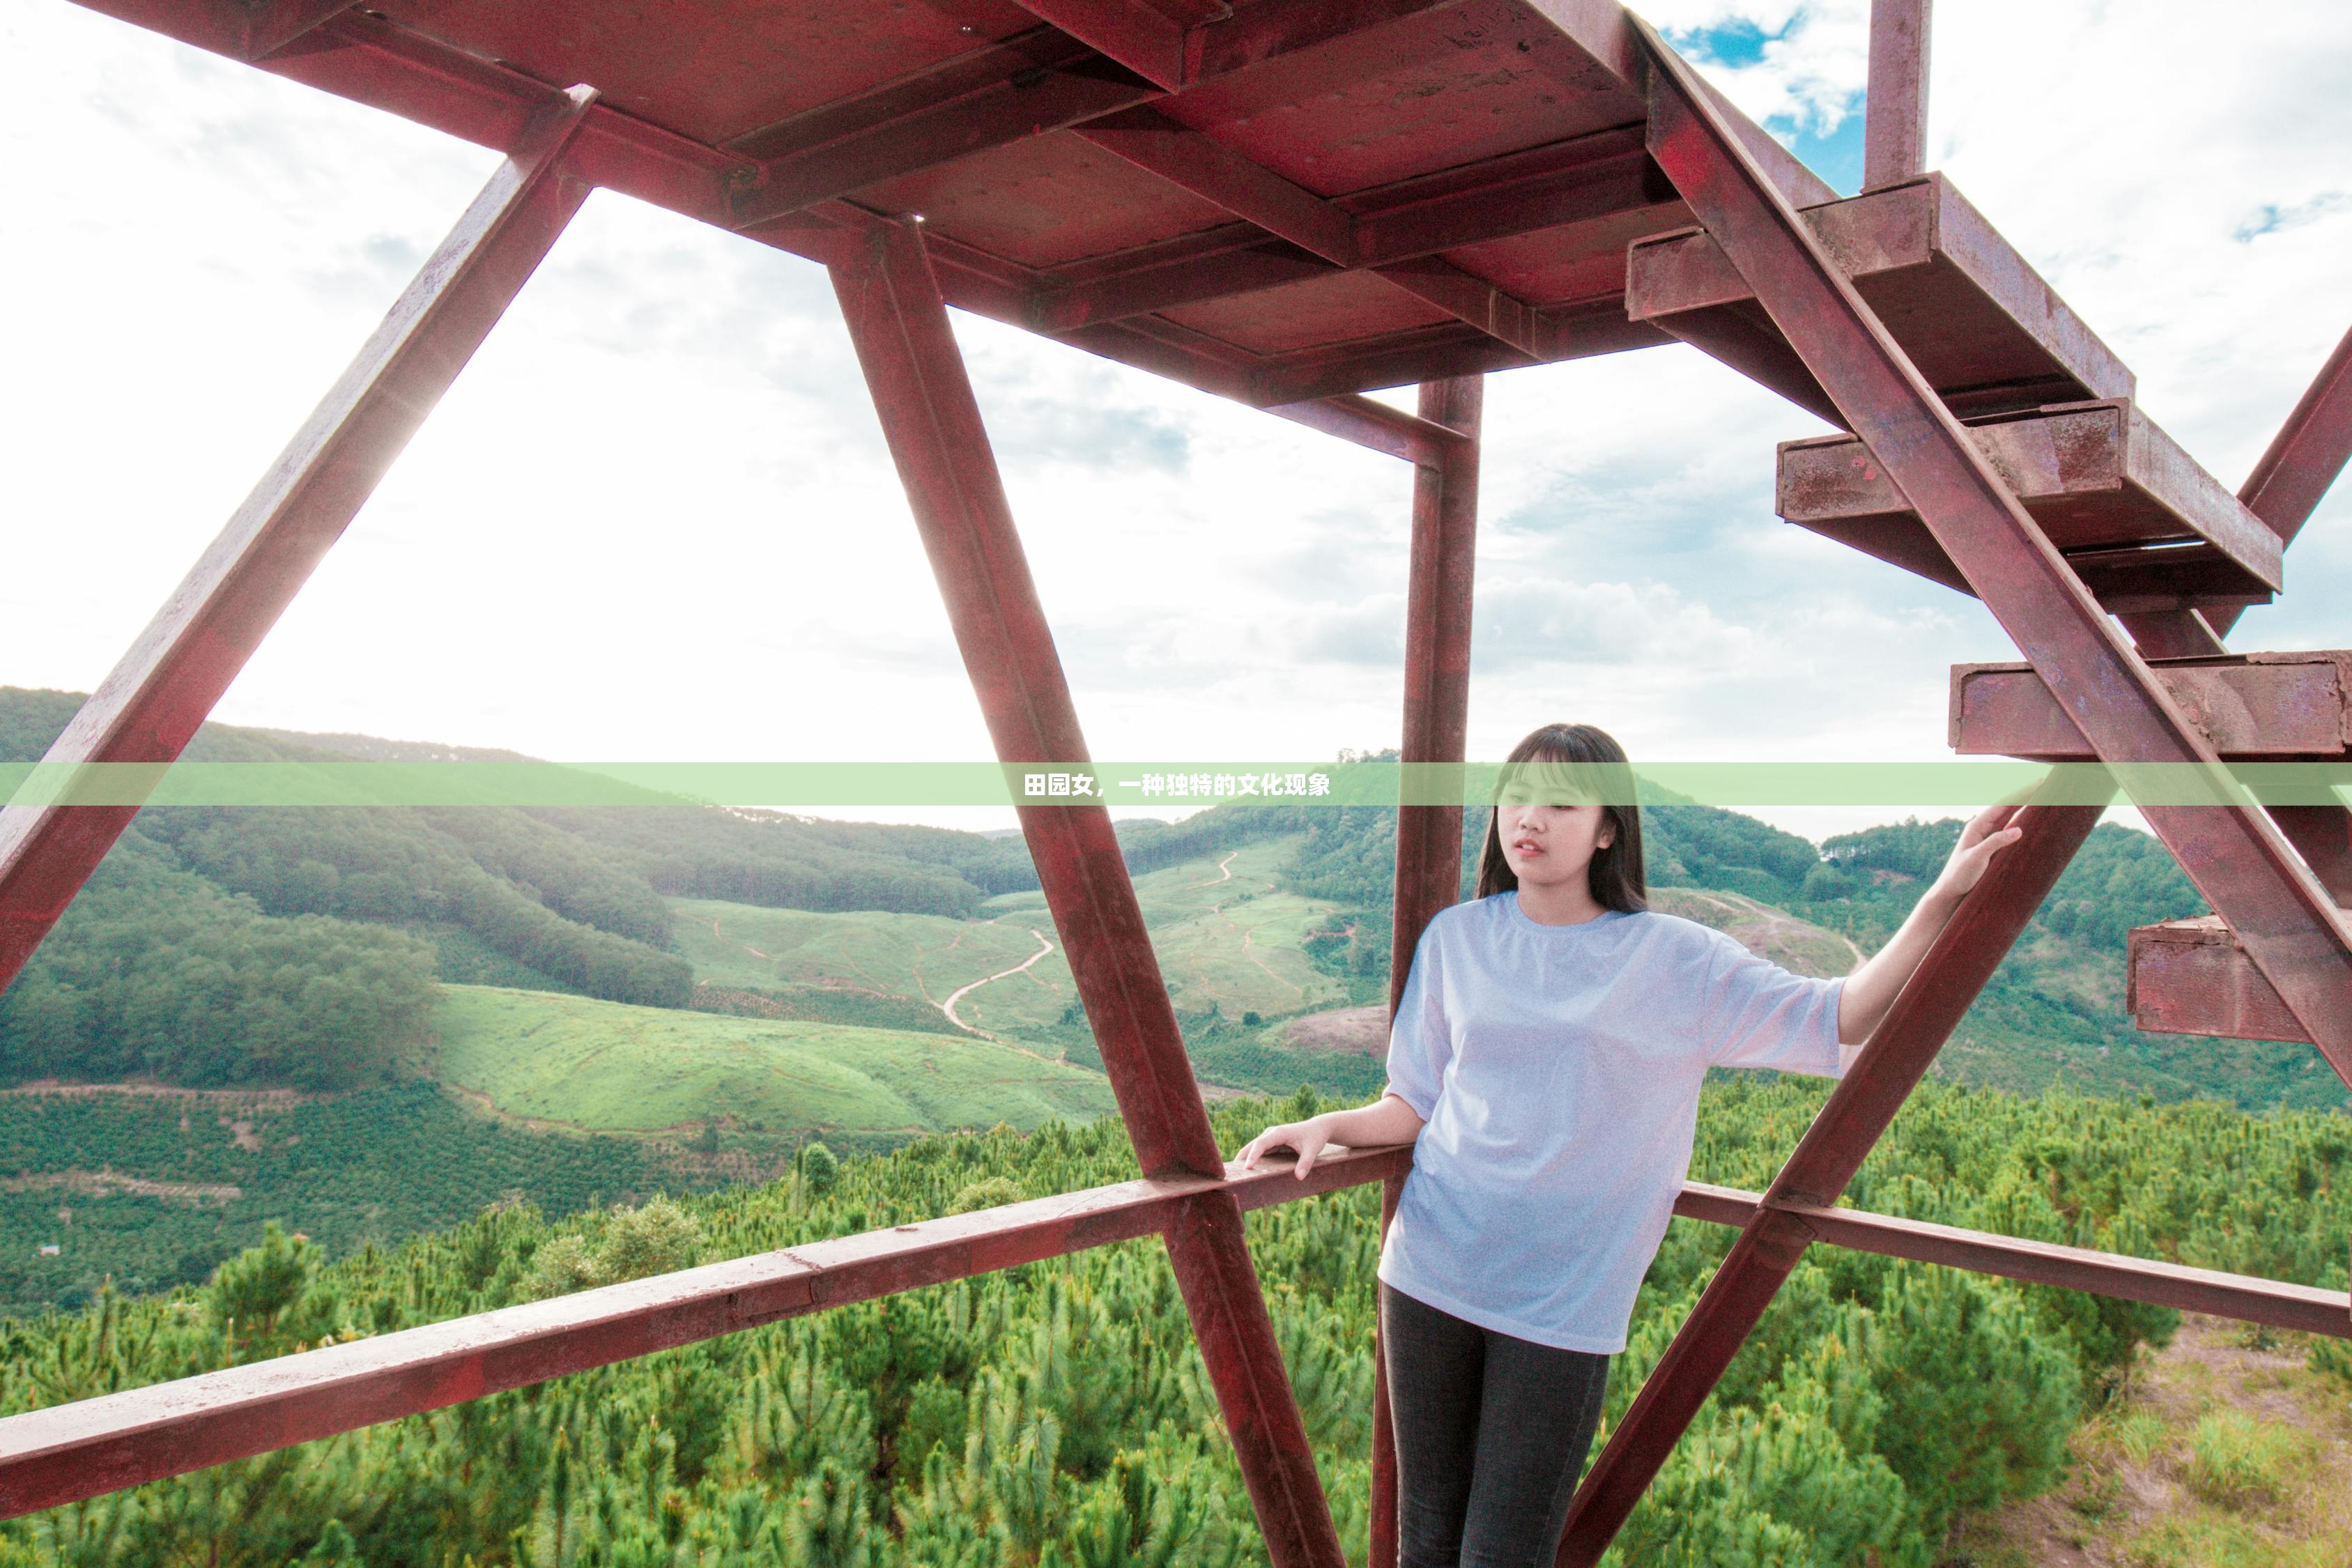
[69, 1452]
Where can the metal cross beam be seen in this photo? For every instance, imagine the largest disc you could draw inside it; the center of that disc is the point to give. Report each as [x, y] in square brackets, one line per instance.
[2238, 859]
[2229, 847]
[149, 707]
[66, 1453]
[921, 392]
[1043, 80]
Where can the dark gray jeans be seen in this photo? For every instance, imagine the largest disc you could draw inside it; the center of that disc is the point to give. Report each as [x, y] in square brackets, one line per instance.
[1491, 1435]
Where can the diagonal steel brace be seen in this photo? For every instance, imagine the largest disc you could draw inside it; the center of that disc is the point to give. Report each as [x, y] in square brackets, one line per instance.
[149, 707]
[2238, 859]
[899, 322]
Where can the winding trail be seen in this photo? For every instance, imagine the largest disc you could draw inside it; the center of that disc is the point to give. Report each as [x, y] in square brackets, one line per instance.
[948, 1006]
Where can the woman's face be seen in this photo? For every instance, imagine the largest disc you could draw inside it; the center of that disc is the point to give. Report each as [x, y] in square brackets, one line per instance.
[1548, 830]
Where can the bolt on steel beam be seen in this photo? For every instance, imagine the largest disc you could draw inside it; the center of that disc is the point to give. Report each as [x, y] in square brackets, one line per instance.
[149, 707]
[931, 421]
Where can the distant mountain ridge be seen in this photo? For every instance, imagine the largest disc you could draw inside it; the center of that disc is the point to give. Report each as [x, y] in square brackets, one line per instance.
[216, 941]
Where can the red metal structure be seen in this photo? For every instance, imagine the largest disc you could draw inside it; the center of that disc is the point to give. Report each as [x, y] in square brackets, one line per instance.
[1290, 203]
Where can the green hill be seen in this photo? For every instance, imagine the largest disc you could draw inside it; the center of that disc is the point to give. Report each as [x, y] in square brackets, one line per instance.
[604, 1066]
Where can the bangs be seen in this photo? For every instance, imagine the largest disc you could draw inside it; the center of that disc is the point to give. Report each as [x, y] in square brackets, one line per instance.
[1554, 770]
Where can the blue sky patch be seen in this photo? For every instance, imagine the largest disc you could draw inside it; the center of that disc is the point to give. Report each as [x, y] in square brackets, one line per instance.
[1734, 44]
[1836, 157]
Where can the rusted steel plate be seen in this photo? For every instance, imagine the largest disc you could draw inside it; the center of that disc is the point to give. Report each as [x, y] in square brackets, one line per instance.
[149, 705]
[1983, 328]
[2193, 977]
[2250, 706]
[79, 1450]
[2095, 476]
[949, 114]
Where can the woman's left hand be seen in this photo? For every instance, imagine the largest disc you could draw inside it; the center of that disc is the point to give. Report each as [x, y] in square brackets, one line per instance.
[1987, 833]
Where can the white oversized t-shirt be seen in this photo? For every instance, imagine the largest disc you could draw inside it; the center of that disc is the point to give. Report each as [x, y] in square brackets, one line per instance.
[1558, 1068]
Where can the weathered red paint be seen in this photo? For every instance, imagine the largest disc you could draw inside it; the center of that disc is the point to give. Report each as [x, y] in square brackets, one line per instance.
[1443, 566]
[69, 1452]
[1381, 427]
[898, 324]
[79, 1450]
[149, 706]
[1895, 118]
[1436, 664]
[2229, 849]
[1399, 222]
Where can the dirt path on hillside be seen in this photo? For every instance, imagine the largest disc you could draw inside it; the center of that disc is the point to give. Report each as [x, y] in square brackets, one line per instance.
[232, 1098]
[2136, 1495]
[1044, 949]
[102, 1184]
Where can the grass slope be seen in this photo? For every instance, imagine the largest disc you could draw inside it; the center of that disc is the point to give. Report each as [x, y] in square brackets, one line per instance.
[2224, 1449]
[603, 1065]
[874, 953]
[1226, 934]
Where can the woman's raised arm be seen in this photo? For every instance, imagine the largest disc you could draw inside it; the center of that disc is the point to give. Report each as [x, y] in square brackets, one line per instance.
[1871, 990]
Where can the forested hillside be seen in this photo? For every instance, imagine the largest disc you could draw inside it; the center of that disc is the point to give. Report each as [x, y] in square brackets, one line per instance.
[1057, 1412]
[214, 937]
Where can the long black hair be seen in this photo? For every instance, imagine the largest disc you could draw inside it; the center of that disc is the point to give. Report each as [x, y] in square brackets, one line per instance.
[1595, 764]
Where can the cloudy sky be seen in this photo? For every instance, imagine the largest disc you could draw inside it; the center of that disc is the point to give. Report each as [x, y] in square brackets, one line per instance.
[655, 520]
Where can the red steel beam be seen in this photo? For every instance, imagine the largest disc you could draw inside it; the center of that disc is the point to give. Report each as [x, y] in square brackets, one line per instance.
[1895, 112]
[2232, 852]
[1369, 422]
[69, 1452]
[1213, 171]
[1437, 663]
[1569, 332]
[1200, 164]
[1148, 42]
[898, 324]
[2237, 857]
[271, 24]
[1438, 596]
[2303, 459]
[1599, 191]
[1040, 82]
[1923, 1018]
[1196, 162]
[2302, 1308]
[147, 709]
[2294, 472]
[915, 127]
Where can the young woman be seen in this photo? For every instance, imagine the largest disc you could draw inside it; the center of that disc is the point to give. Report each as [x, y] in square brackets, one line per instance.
[1545, 1062]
